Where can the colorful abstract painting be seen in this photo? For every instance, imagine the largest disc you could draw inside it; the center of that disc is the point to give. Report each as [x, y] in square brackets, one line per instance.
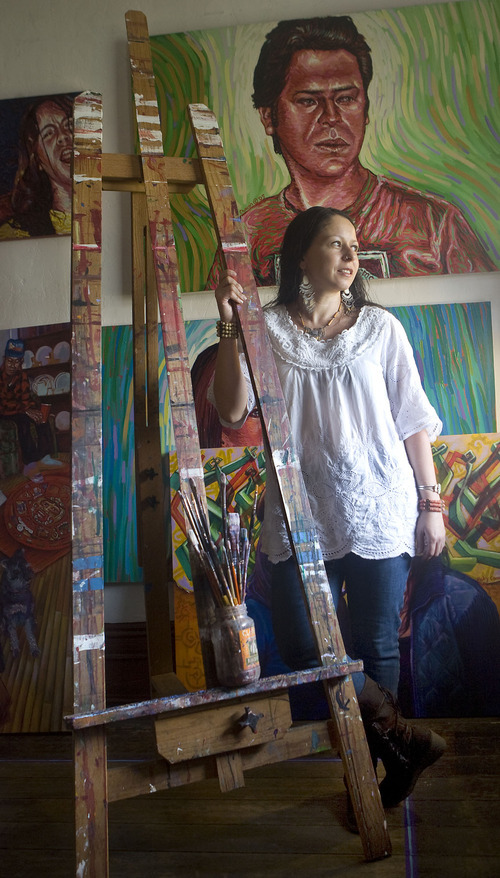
[245, 471]
[468, 468]
[423, 155]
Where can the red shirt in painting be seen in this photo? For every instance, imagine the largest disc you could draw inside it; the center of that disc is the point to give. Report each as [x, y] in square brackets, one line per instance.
[401, 233]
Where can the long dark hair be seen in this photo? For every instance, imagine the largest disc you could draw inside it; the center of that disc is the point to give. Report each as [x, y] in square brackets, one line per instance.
[32, 193]
[300, 234]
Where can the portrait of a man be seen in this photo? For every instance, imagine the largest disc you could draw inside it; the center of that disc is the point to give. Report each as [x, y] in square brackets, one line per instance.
[311, 90]
[326, 111]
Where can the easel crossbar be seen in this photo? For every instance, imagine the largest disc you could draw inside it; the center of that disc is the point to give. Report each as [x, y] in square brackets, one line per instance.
[172, 703]
[124, 172]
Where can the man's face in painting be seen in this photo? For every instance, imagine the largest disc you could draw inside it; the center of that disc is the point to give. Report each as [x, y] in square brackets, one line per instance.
[13, 365]
[320, 115]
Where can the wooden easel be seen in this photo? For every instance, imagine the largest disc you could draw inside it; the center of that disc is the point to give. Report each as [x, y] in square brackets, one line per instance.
[217, 732]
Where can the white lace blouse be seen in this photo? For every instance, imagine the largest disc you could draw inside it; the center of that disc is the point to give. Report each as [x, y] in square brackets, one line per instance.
[351, 400]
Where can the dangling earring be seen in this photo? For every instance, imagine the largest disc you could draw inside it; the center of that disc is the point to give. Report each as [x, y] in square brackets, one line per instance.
[347, 299]
[306, 291]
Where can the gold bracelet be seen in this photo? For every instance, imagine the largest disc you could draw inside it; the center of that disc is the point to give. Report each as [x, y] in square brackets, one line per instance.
[226, 330]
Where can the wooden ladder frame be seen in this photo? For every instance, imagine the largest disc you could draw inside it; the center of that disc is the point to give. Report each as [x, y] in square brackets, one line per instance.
[216, 727]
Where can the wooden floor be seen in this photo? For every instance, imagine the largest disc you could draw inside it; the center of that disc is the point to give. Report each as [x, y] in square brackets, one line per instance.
[288, 821]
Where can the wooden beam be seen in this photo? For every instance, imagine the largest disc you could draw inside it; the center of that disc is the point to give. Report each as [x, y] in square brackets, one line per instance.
[153, 551]
[121, 172]
[86, 474]
[155, 175]
[204, 697]
[223, 728]
[138, 778]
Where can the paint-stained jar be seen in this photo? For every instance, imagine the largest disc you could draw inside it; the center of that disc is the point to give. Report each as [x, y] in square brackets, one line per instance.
[235, 647]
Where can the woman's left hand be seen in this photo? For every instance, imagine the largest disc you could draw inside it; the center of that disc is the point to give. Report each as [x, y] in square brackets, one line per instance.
[429, 535]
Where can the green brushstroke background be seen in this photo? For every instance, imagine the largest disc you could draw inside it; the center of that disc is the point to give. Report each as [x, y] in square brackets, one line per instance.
[434, 113]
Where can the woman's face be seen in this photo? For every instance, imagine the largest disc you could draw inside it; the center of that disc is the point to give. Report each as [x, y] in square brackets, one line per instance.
[54, 144]
[331, 262]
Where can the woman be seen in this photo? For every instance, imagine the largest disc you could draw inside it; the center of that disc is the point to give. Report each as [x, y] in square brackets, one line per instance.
[362, 427]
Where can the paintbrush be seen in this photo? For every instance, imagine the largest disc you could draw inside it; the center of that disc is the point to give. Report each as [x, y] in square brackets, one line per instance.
[199, 508]
[206, 547]
[234, 540]
[223, 503]
[191, 516]
[234, 535]
[245, 556]
[205, 526]
[208, 568]
[253, 515]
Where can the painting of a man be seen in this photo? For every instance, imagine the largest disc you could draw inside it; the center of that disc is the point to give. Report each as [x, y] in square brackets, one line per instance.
[390, 115]
[311, 91]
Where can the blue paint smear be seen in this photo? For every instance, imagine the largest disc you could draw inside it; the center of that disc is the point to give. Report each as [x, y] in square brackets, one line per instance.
[94, 583]
[89, 563]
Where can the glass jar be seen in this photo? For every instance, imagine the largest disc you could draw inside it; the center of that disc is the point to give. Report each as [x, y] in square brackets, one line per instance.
[235, 647]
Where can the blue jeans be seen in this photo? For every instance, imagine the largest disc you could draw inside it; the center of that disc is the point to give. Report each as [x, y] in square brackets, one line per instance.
[375, 592]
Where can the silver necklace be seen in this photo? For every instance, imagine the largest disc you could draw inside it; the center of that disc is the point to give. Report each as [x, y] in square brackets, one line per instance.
[319, 332]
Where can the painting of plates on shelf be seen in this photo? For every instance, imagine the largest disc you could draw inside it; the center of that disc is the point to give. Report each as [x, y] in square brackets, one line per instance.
[62, 421]
[35, 530]
[43, 355]
[43, 385]
[29, 359]
[62, 383]
[62, 352]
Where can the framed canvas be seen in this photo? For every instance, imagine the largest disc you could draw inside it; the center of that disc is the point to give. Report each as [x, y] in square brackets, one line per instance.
[390, 115]
[35, 169]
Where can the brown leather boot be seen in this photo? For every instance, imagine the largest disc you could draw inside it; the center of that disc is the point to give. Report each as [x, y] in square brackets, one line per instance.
[405, 750]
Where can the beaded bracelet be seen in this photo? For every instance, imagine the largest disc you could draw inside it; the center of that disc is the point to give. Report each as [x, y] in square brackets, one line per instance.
[431, 505]
[226, 330]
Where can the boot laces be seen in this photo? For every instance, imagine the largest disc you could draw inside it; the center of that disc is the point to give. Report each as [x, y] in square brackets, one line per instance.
[397, 740]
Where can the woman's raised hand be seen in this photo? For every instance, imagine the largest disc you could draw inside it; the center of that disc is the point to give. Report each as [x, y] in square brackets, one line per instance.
[230, 388]
[228, 291]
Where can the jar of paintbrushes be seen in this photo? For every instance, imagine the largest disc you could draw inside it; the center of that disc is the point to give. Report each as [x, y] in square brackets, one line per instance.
[225, 562]
[235, 646]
